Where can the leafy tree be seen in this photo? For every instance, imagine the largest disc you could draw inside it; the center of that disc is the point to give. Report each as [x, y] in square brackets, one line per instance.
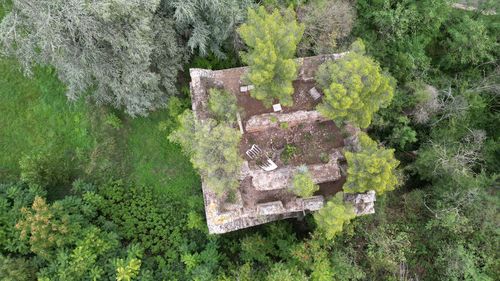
[467, 42]
[88, 260]
[104, 47]
[371, 168]
[213, 149]
[354, 87]
[398, 33]
[303, 184]
[223, 105]
[327, 24]
[208, 24]
[333, 216]
[272, 40]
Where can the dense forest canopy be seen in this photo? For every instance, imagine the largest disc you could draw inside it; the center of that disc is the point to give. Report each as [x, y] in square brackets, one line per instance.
[92, 187]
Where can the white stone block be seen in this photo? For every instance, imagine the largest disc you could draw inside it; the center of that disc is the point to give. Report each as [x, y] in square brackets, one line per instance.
[277, 107]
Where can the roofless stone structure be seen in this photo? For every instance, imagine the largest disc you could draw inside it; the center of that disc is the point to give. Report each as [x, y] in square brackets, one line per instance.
[265, 196]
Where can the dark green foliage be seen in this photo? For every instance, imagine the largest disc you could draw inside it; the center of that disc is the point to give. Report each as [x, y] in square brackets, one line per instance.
[398, 32]
[17, 269]
[441, 224]
[143, 218]
[13, 197]
[466, 42]
[222, 105]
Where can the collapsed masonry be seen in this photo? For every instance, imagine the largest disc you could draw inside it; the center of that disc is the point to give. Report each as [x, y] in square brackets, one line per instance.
[223, 216]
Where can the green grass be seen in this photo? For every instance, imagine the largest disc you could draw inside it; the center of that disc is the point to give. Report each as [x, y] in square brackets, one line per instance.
[35, 115]
[158, 163]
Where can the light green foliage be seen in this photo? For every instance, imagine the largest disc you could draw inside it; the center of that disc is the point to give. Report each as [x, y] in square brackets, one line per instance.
[87, 260]
[333, 216]
[288, 153]
[327, 24]
[75, 39]
[303, 184]
[222, 105]
[467, 43]
[127, 270]
[371, 168]
[355, 88]
[272, 40]
[44, 168]
[213, 149]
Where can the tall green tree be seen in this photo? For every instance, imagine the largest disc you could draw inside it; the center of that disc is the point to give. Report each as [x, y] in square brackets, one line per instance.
[272, 41]
[355, 87]
[371, 168]
[104, 47]
[333, 216]
[213, 149]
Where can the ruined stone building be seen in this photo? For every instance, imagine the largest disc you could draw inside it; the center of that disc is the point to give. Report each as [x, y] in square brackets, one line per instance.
[264, 195]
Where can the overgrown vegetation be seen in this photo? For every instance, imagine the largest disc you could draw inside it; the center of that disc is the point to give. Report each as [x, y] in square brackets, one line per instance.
[88, 193]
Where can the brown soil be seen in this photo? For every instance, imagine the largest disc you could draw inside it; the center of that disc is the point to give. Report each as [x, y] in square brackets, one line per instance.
[329, 189]
[313, 143]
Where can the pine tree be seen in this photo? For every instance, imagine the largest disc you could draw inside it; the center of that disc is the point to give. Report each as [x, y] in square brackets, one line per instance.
[372, 168]
[355, 88]
[272, 40]
[213, 149]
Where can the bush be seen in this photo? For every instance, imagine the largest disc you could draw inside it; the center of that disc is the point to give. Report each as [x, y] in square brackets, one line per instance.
[303, 184]
[45, 168]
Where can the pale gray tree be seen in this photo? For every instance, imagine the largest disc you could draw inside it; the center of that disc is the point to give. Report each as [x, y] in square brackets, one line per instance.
[103, 48]
[208, 24]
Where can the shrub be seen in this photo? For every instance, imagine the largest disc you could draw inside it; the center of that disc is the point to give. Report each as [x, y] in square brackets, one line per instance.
[303, 184]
